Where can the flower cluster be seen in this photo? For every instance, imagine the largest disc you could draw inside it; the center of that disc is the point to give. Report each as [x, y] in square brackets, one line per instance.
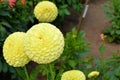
[46, 11]
[73, 75]
[43, 43]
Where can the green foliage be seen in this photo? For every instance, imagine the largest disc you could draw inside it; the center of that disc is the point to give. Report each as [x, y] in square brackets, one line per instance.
[109, 68]
[21, 18]
[72, 57]
[64, 9]
[7, 71]
[12, 20]
[113, 12]
[63, 6]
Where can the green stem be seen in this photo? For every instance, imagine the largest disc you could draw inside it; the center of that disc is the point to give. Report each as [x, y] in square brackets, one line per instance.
[33, 3]
[26, 73]
[81, 18]
[47, 75]
[19, 73]
[103, 64]
[51, 71]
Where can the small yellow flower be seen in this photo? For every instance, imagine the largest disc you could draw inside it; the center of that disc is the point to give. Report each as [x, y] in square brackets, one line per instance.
[46, 11]
[93, 74]
[73, 75]
[13, 50]
[44, 43]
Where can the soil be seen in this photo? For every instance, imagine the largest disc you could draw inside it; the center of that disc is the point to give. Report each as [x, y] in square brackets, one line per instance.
[93, 25]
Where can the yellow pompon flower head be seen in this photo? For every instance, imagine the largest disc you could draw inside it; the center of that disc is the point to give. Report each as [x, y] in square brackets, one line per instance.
[45, 11]
[93, 74]
[44, 43]
[13, 50]
[73, 75]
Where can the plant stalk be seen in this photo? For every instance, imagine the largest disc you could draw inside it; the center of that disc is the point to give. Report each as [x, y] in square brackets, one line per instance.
[82, 18]
[51, 71]
[26, 73]
[19, 73]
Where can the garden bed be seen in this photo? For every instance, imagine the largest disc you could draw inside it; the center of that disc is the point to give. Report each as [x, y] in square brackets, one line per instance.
[93, 25]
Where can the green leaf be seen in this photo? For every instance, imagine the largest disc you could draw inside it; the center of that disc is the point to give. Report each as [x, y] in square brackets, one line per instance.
[107, 30]
[5, 67]
[58, 77]
[64, 6]
[1, 65]
[48, 77]
[72, 63]
[74, 31]
[6, 24]
[112, 32]
[113, 77]
[11, 69]
[4, 13]
[31, 19]
[77, 7]
[89, 66]
[20, 72]
[81, 34]
[3, 33]
[110, 39]
[69, 2]
[118, 32]
[66, 11]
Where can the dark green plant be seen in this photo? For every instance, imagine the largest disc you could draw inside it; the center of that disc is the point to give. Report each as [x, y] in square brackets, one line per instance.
[113, 13]
[64, 9]
[12, 20]
[109, 68]
[20, 18]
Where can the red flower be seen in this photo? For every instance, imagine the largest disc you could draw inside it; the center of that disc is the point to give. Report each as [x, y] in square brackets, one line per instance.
[11, 3]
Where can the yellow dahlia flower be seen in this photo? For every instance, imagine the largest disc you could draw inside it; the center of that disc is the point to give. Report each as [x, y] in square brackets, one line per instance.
[44, 43]
[73, 75]
[13, 50]
[93, 74]
[46, 11]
